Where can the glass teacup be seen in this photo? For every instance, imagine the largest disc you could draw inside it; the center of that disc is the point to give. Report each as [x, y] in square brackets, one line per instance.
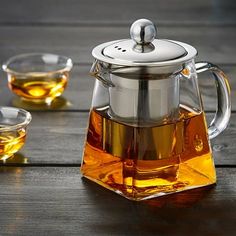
[38, 77]
[13, 124]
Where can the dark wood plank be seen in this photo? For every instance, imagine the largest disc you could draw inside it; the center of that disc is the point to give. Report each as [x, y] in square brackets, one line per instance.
[56, 201]
[55, 138]
[78, 95]
[216, 44]
[113, 11]
[58, 138]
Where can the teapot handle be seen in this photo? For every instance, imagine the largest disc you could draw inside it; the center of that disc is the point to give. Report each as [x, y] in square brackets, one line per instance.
[223, 110]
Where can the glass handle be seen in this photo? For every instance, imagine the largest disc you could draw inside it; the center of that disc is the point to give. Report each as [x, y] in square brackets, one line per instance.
[223, 109]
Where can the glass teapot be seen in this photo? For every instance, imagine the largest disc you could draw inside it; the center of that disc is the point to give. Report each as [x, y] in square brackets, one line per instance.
[147, 134]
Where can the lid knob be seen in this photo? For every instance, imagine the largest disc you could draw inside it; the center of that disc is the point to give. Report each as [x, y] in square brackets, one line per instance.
[144, 50]
[143, 32]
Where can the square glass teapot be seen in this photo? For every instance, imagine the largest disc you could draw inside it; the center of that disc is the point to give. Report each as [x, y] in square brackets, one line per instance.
[147, 134]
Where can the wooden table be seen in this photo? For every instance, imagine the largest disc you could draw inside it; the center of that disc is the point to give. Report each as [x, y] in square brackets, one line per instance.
[41, 190]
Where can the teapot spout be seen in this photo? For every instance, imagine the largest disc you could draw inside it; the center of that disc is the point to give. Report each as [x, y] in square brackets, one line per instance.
[101, 72]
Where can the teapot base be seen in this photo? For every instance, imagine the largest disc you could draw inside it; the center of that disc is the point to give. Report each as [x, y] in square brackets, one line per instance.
[141, 197]
[194, 173]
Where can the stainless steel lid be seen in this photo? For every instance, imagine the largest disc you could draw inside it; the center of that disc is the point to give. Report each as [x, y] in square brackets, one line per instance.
[143, 49]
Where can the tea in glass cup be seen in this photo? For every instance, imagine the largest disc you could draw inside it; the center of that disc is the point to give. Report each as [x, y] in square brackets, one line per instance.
[38, 77]
[13, 130]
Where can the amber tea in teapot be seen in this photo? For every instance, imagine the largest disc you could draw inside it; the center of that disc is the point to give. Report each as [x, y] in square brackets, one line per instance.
[147, 134]
[121, 166]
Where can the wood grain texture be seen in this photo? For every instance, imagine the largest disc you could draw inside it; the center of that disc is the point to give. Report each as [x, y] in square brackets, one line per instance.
[215, 43]
[54, 138]
[58, 138]
[78, 94]
[117, 12]
[56, 201]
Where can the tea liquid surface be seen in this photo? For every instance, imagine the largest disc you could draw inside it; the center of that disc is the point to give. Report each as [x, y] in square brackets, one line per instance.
[143, 162]
[37, 87]
[11, 142]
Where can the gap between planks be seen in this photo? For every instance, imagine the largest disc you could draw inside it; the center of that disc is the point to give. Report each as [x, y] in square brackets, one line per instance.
[116, 24]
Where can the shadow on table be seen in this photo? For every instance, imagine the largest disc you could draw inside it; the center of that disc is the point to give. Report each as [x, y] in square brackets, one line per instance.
[17, 158]
[192, 212]
[57, 103]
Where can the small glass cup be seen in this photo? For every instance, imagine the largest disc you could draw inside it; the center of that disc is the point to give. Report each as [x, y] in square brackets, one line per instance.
[13, 124]
[38, 77]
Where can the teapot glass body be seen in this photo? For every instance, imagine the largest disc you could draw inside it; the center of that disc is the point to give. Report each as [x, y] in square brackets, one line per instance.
[148, 137]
